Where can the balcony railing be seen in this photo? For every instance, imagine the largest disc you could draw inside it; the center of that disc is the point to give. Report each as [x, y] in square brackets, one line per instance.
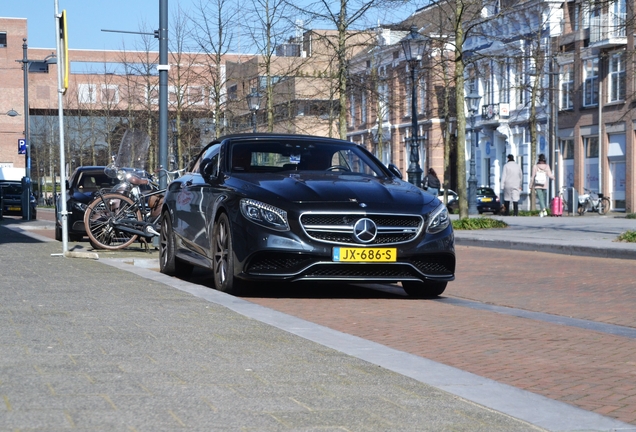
[608, 29]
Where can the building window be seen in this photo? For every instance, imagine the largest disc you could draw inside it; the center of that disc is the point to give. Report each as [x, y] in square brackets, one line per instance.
[567, 85]
[408, 97]
[616, 77]
[504, 83]
[590, 82]
[352, 111]
[591, 147]
[363, 107]
[87, 93]
[488, 96]
[3, 39]
[518, 80]
[383, 102]
[568, 149]
[422, 96]
[110, 94]
[232, 92]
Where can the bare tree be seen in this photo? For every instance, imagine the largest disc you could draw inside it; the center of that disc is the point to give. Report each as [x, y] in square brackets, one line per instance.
[344, 15]
[212, 23]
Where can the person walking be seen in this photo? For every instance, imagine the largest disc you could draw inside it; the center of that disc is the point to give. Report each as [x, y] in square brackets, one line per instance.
[541, 172]
[511, 184]
[431, 182]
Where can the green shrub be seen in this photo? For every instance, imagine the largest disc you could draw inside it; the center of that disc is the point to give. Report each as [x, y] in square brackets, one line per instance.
[478, 223]
[631, 216]
[627, 236]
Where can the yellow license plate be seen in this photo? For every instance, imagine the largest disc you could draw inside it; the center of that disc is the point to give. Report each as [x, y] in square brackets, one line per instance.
[345, 254]
[486, 199]
[15, 208]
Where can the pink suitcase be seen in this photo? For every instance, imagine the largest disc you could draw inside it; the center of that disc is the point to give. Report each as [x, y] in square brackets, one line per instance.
[556, 206]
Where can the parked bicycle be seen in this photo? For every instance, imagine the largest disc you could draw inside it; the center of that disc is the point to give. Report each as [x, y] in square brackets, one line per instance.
[131, 210]
[593, 202]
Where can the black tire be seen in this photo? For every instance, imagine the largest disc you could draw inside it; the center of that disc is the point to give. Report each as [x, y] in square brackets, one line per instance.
[58, 233]
[604, 206]
[168, 262]
[223, 257]
[424, 289]
[100, 214]
[581, 209]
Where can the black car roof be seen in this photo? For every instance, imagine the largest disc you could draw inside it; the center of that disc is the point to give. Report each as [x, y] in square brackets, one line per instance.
[272, 135]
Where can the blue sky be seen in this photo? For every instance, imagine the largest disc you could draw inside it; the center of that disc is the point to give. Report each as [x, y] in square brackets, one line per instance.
[87, 18]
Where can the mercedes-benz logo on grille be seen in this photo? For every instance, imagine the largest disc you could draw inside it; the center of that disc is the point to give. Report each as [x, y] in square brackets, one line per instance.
[365, 230]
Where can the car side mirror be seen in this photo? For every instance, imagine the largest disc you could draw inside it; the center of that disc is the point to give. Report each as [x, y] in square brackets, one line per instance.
[395, 170]
[68, 186]
[208, 169]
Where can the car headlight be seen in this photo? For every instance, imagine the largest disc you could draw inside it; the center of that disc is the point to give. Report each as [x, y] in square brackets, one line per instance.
[264, 214]
[438, 221]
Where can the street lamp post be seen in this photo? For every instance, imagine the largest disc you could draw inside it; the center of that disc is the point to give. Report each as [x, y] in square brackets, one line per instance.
[29, 66]
[254, 103]
[472, 103]
[413, 46]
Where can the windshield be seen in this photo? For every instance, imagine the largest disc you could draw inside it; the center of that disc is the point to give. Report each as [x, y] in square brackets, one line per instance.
[303, 156]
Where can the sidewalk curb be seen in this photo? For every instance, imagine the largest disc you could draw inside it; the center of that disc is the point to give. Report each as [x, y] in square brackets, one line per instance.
[598, 252]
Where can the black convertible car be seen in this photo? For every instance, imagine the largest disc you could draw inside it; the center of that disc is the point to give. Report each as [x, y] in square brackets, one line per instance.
[289, 208]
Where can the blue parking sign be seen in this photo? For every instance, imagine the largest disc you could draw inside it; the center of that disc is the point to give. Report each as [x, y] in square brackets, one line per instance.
[22, 149]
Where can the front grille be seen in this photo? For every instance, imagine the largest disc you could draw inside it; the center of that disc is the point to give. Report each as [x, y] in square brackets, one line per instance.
[438, 265]
[315, 267]
[277, 263]
[358, 271]
[338, 228]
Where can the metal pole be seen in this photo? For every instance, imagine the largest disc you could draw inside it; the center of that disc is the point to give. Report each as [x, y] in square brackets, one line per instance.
[415, 171]
[254, 121]
[163, 90]
[472, 178]
[60, 110]
[26, 192]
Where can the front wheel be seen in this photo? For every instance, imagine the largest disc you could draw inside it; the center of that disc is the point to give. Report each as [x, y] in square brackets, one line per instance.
[223, 257]
[424, 289]
[604, 205]
[101, 219]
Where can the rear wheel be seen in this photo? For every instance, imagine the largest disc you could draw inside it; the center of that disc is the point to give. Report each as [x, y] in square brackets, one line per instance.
[424, 289]
[223, 257]
[604, 205]
[168, 262]
[101, 217]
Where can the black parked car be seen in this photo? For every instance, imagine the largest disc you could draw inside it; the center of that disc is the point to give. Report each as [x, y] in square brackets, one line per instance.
[272, 208]
[452, 203]
[12, 199]
[487, 200]
[80, 191]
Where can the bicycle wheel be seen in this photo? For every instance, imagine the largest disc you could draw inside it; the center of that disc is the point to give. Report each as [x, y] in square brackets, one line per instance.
[604, 205]
[100, 218]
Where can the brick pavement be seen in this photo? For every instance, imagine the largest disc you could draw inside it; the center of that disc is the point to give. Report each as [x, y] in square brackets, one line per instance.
[588, 369]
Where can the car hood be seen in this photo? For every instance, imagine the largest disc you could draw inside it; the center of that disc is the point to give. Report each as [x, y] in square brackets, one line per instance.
[334, 188]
